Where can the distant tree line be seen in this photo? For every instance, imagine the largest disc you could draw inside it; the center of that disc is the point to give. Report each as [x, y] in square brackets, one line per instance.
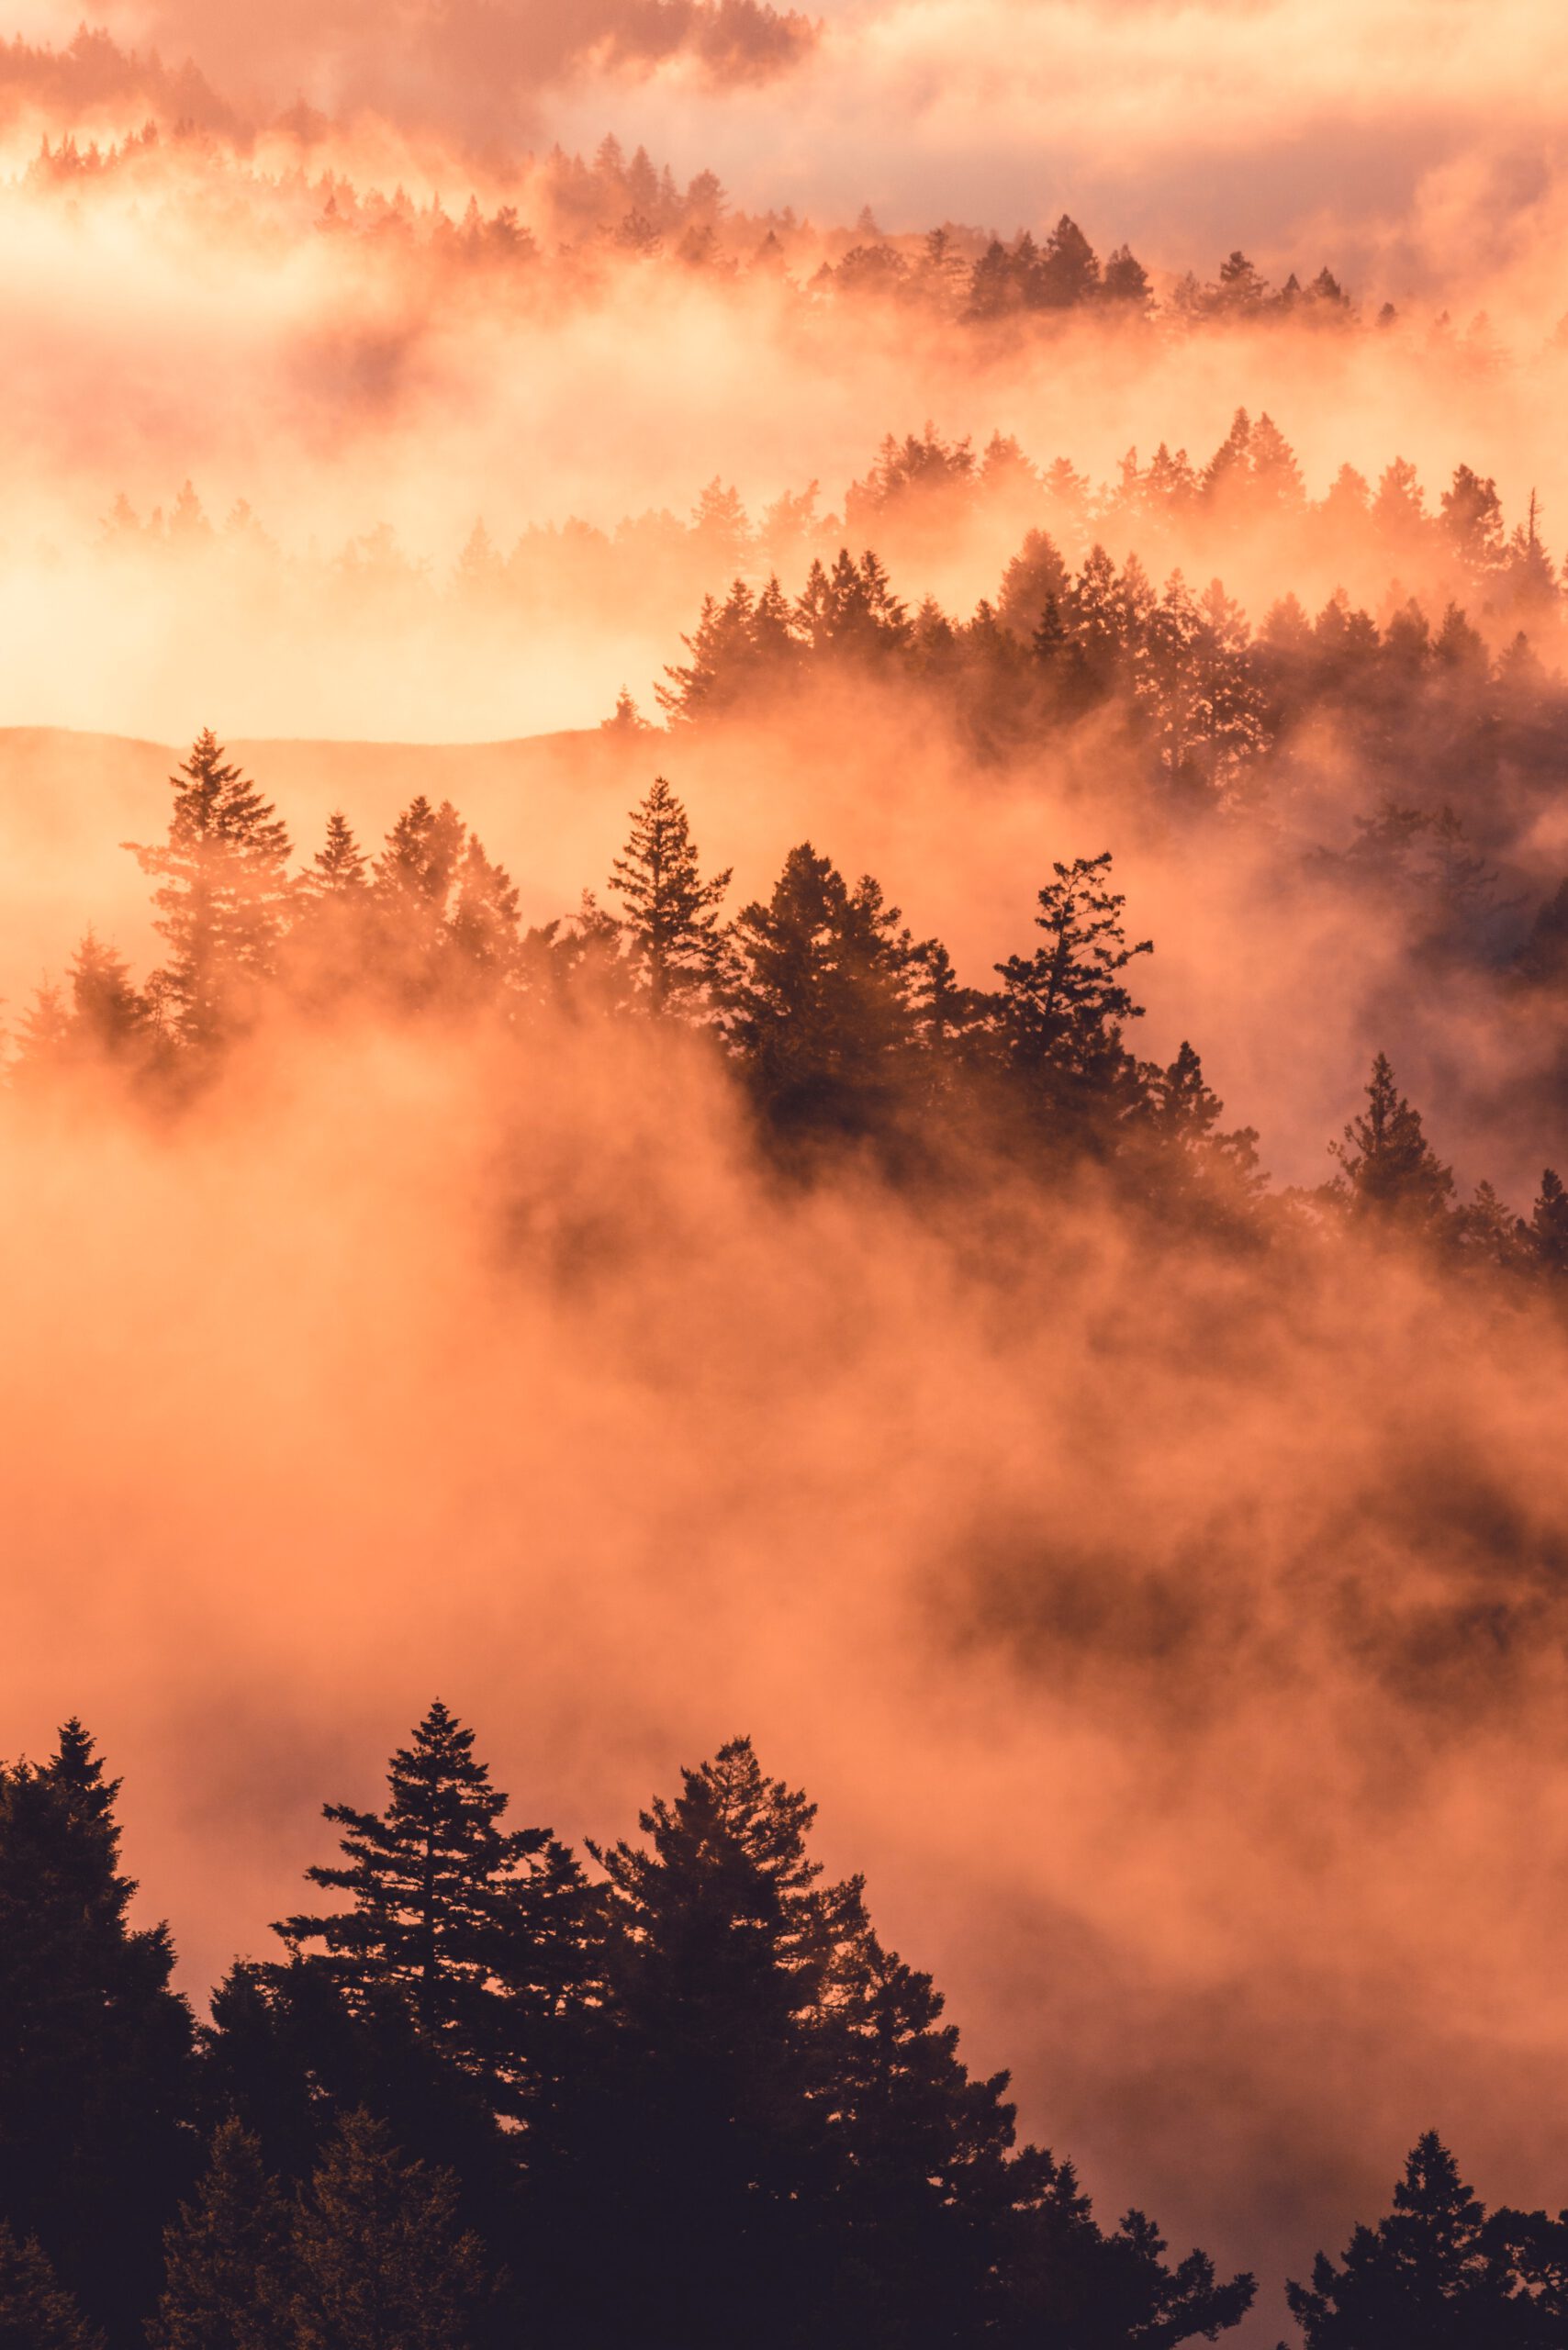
[922, 497]
[1177, 684]
[560, 210]
[843, 1031]
[675, 2092]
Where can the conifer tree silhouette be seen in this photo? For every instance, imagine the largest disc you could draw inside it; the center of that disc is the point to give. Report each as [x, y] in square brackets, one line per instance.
[228, 2281]
[1388, 1171]
[94, 2044]
[472, 1928]
[671, 920]
[220, 899]
[380, 2261]
[35, 2313]
[1433, 2271]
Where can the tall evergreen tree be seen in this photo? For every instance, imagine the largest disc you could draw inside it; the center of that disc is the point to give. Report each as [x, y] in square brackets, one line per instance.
[1432, 2273]
[338, 870]
[334, 947]
[110, 1018]
[220, 898]
[1062, 1007]
[227, 2283]
[671, 923]
[1388, 1172]
[1549, 1225]
[823, 1005]
[473, 1927]
[35, 2313]
[94, 2044]
[380, 2260]
[724, 1941]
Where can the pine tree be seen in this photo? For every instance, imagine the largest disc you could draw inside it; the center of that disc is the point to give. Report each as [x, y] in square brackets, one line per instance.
[42, 1046]
[95, 2043]
[1069, 271]
[1549, 1225]
[671, 922]
[1388, 1172]
[338, 870]
[1276, 475]
[221, 899]
[227, 2282]
[723, 1944]
[35, 2313]
[1195, 1166]
[110, 1018]
[1472, 512]
[482, 930]
[1036, 576]
[927, 2181]
[470, 1927]
[1126, 281]
[722, 667]
[335, 944]
[1428, 2273]
[380, 2261]
[414, 883]
[720, 530]
[823, 1002]
[1062, 1007]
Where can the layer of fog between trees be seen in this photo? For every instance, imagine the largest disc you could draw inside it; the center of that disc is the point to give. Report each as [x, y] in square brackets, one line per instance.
[1174, 1638]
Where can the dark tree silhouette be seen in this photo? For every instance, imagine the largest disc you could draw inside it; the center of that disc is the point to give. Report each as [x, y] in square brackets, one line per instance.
[227, 2276]
[1062, 1007]
[1388, 1172]
[822, 1004]
[34, 2312]
[477, 1930]
[380, 2261]
[94, 2046]
[221, 899]
[671, 921]
[1433, 2272]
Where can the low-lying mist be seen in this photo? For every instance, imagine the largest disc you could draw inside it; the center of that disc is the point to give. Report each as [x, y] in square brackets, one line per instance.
[1174, 1636]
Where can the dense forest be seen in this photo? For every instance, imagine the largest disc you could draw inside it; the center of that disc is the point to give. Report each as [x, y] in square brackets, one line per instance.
[674, 2091]
[552, 225]
[844, 1033]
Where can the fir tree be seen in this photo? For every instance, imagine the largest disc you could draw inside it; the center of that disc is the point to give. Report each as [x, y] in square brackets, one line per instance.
[1126, 281]
[823, 1002]
[722, 664]
[95, 2043]
[1062, 1007]
[227, 2282]
[722, 1942]
[35, 2313]
[1388, 1172]
[1428, 2273]
[111, 1018]
[471, 1927]
[1195, 1164]
[380, 2261]
[220, 896]
[42, 1045]
[1035, 577]
[333, 947]
[338, 870]
[1549, 1225]
[671, 920]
